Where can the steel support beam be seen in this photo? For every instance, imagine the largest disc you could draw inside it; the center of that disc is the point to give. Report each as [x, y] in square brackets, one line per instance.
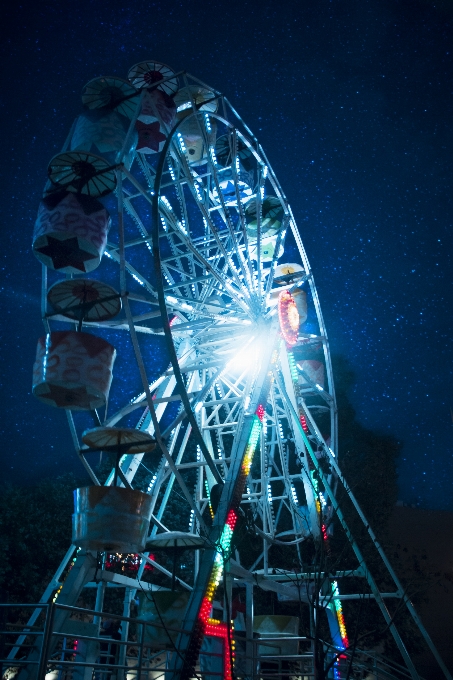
[189, 643]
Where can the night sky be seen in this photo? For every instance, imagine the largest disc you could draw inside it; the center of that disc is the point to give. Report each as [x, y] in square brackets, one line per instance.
[352, 102]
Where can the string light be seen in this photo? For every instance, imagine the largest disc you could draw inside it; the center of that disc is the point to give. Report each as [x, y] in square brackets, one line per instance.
[213, 156]
[320, 501]
[208, 494]
[269, 494]
[303, 422]
[251, 445]
[314, 481]
[293, 367]
[181, 142]
[183, 107]
[210, 626]
[151, 484]
[340, 617]
[67, 573]
[197, 191]
[166, 202]
[182, 227]
[289, 317]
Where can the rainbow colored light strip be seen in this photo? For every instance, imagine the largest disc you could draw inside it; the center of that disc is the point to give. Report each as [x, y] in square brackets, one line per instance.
[337, 603]
[58, 591]
[212, 626]
[340, 617]
[208, 494]
[252, 442]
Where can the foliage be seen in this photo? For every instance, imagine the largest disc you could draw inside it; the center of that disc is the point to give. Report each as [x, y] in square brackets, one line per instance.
[35, 533]
[367, 458]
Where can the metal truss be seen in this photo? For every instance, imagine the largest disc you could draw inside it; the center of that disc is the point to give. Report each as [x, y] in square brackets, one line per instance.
[197, 288]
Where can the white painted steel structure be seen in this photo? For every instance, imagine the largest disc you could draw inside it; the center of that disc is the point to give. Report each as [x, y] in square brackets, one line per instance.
[192, 276]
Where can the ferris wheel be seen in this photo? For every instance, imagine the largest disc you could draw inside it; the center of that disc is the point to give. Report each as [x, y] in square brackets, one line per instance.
[163, 232]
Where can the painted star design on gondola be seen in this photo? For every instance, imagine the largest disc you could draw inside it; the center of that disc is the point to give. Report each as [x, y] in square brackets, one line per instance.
[64, 397]
[149, 136]
[66, 253]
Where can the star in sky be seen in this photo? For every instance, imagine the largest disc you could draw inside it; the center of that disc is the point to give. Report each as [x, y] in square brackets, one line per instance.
[358, 131]
[149, 135]
[66, 253]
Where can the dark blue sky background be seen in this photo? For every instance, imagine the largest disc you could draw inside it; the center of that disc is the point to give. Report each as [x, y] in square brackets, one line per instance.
[352, 101]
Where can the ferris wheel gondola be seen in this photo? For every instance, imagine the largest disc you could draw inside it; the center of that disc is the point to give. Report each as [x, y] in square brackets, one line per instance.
[84, 300]
[110, 93]
[153, 73]
[82, 173]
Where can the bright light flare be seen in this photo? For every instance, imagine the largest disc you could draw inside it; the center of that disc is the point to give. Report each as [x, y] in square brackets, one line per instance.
[249, 356]
[289, 317]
